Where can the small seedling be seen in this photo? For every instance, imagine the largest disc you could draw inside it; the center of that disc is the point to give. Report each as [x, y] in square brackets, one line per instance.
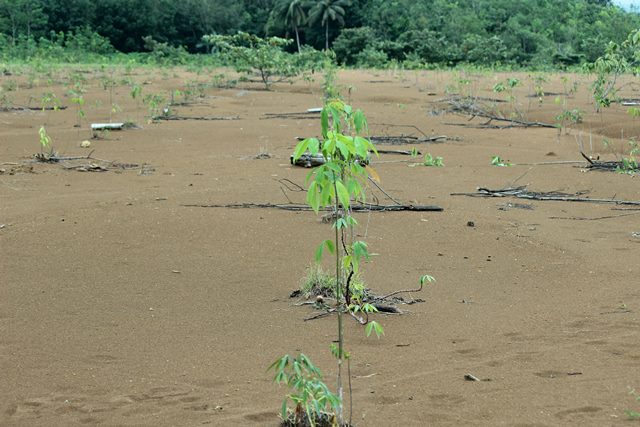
[49, 99]
[77, 97]
[629, 165]
[46, 154]
[429, 160]
[497, 161]
[631, 413]
[336, 185]
[311, 396]
[136, 93]
[154, 103]
[566, 117]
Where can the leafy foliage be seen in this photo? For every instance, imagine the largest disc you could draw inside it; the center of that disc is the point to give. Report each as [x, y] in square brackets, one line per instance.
[309, 394]
[617, 60]
[265, 57]
[531, 33]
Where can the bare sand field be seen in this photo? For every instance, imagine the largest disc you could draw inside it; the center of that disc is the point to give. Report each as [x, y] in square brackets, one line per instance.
[121, 306]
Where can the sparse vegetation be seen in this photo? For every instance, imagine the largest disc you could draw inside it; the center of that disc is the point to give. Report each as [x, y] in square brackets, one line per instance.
[429, 160]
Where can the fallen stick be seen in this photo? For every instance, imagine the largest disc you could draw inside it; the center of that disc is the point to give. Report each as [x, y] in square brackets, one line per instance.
[518, 122]
[606, 165]
[522, 193]
[402, 152]
[401, 140]
[402, 291]
[469, 107]
[311, 113]
[18, 108]
[581, 218]
[535, 95]
[558, 162]
[208, 118]
[320, 315]
[401, 126]
[298, 207]
[404, 139]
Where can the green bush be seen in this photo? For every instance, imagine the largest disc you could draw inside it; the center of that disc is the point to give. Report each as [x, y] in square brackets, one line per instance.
[351, 43]
[371, 58]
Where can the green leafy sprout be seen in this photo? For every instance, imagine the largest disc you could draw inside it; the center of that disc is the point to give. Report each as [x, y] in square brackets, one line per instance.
[497, 161]
[429, 160]
[309, 394]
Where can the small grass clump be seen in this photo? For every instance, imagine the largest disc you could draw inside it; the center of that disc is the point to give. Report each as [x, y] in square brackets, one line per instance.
[318, 282]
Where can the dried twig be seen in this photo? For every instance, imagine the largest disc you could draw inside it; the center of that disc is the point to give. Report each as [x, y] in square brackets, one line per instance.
[210, 118]
[581, 218]
[605, 165]
[401, 126]
[402, 291]
[470, 106]
[384, 192]
[320, 315]
[300, 207]
[522, 193]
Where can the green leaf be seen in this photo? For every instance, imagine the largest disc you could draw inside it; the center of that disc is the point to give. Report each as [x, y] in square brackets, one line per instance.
[343, 194]
[335, 113]
[346, 146]
[313, 197]
[360, 122]
[374, 326]
[360, 250]
[301, 148]
[362, 146]
[334, 351]
[341, 223]
[324, 122]
[369, 308]
[314, 145]
[327, 195]
[354, 187]
[330, 247]
[319, 251]
[347, 261]
[329, 146]
[632, 414]
[426, 278]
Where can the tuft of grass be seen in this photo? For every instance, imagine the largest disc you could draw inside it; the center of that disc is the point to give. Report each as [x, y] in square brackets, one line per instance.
[318, 282]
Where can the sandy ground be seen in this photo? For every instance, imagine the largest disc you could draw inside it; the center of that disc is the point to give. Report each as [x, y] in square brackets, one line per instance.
[121, 306]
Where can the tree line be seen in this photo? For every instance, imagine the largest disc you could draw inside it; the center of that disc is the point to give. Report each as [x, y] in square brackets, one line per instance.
[361, 32]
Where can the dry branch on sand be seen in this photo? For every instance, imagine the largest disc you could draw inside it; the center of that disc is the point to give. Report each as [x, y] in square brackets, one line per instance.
[206, 118]
[406, 139]
[523, 193]
[612, 165]
[474, 107]
[311, 113]
[386, 304]
[94, 165]
[21, 108]
[299, 207]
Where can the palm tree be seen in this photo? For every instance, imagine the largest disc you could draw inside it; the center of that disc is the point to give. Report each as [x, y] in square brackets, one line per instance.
[294, 15]
[324, 11]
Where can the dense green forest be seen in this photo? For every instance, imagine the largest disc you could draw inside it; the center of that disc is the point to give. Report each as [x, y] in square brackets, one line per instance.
[539, 33]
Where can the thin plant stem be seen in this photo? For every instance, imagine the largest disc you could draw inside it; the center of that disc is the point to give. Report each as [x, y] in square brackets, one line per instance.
[339, 309]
